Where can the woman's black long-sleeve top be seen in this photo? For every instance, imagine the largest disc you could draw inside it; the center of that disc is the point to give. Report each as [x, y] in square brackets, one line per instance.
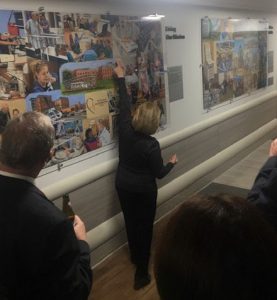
[140, 160]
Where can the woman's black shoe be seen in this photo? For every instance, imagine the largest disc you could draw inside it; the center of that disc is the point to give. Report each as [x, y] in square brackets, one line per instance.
[141, 280]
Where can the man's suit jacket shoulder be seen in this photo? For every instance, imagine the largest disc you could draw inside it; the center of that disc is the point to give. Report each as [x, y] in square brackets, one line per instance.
[40, 245]
[263, 193]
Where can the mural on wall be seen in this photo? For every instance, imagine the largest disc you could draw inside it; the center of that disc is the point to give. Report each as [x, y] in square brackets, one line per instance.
[234, 58]
[61, 64]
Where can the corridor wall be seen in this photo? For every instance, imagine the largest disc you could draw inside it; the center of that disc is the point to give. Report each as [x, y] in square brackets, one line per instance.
[197, 136]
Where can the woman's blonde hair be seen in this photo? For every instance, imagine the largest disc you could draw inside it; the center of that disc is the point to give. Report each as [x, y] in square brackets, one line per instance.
[37, 66]
[146, 118]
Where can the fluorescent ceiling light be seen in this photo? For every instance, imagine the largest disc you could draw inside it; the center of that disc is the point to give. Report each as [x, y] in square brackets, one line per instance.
[153, 17]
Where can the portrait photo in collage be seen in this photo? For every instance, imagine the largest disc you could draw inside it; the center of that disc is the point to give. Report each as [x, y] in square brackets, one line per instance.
[61, 64]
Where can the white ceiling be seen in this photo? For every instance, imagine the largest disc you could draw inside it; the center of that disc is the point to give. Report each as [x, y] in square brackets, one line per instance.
[269, 6]
[257, 5]
[262, 5]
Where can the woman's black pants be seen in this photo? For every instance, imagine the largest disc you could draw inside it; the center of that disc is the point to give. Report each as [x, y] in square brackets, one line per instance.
[139, 212]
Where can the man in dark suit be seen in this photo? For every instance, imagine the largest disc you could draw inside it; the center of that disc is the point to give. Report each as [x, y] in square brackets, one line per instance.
[264, 191]
[42, 254]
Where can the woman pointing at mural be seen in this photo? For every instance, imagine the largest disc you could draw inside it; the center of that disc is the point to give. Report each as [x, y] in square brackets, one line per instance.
[140, 163]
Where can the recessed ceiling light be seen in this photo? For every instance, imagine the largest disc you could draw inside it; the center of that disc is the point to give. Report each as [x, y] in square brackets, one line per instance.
[153, 17]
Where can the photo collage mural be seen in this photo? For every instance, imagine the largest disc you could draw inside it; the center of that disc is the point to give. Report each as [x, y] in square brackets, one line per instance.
[234, 58]
[62, 64]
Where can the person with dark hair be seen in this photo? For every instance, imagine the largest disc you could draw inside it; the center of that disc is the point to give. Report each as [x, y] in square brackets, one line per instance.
[217, 248]
[140, 163]
[264, 190]
[43, 255]
[91, 143]
[45, 28]
[3, 121]
[104, 32]
[16, 113]
[76, 45]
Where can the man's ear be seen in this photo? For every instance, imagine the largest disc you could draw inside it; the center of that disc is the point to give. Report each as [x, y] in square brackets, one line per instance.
[51, 154]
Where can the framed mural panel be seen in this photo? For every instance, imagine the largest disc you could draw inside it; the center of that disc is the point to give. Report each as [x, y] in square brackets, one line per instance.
[234, 58]
[61, 64]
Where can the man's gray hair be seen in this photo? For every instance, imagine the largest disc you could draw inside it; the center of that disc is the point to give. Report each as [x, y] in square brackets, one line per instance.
[27, 141]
